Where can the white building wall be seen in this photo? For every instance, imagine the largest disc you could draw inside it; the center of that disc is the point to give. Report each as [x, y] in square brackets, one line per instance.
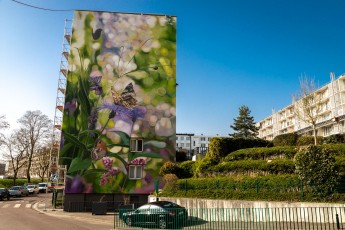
[330, 122]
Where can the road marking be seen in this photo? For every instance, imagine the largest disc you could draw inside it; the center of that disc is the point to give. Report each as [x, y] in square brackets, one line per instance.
[6, 206]
[17, 205]
[28, 206]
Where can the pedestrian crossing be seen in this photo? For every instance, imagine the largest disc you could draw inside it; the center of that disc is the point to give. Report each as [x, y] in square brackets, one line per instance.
[18, 204]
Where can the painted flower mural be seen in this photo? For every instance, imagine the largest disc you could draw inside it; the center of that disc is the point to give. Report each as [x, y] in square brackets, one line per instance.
[119, 116]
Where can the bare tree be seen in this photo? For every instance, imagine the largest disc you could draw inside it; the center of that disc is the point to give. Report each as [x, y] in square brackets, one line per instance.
[43, 158]
[3, 125]
[308, 104]
[15, 153]
[35, 128]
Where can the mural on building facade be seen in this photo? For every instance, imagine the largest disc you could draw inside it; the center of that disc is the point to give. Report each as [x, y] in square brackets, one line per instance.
[119, 115]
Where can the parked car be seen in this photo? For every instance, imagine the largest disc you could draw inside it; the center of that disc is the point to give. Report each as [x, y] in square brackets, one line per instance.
[33, 188]
[4, 193]
[44, 187]
[160, 213]
[19, 191]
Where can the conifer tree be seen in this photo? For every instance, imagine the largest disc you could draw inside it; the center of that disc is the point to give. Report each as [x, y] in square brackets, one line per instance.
[244, 125]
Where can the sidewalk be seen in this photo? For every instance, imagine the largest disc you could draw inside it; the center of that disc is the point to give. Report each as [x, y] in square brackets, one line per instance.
[44, 206]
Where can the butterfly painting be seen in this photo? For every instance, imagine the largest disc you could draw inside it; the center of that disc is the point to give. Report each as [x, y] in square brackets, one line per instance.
[99, 150]
[126, 99]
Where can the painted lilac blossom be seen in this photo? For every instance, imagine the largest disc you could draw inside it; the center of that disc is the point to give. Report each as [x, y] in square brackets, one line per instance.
[95, 81]
[71, 106]
[111, 171]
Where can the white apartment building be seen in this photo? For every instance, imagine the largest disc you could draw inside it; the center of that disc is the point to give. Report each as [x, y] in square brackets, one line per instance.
[330, 120]
[191, 142]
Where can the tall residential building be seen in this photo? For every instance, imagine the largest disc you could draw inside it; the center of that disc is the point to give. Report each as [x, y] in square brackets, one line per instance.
[330, 119]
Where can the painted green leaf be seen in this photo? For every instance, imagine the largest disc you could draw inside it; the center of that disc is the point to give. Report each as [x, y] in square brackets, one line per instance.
[74, 141]
[79, 164]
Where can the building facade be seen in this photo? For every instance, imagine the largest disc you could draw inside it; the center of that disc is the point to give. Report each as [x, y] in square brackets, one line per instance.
[330, 114]
[192, 143]
[119, 115]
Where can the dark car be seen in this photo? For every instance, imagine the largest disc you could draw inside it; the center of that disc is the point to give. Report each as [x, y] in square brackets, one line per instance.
[4, 193]
[159, 213]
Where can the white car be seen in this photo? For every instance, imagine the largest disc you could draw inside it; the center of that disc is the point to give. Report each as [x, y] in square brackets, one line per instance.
[33, 189]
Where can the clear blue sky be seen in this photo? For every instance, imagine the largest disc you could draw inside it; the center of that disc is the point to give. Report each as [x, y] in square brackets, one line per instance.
[229, 53]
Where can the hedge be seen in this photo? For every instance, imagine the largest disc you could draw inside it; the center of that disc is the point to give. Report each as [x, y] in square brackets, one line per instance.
[220, 147]
[309, 140]
[8, 183]
[277, 166]
[262, 153]
[334, 139]
[271, 187]
[287, 139]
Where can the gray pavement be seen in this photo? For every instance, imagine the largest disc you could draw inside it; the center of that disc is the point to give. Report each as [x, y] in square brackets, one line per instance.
[44, 206]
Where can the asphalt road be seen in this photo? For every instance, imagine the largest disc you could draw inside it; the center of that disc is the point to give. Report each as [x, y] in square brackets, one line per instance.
[18, 214]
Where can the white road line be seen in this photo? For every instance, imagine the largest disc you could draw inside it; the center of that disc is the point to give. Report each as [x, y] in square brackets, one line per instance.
[28, 206]
[17, 205]
[6, 206]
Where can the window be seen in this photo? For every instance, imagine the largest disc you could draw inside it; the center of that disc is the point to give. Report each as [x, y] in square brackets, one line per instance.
[187, 145]
[202, 138]
[135, 171]
[182, 138]
[203, 145]
[136, 145]
[182, 145]
[187, 138]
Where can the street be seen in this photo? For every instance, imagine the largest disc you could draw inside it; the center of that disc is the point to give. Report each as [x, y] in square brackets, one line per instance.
[18, 214]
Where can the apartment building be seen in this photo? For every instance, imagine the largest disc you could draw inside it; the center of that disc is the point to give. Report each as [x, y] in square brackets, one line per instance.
[192, 143]
[330, 119]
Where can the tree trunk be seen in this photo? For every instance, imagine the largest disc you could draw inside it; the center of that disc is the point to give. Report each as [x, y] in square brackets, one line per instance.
[314, 134]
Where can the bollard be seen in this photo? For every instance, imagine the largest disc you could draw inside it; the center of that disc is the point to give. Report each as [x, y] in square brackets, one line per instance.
[337, 219]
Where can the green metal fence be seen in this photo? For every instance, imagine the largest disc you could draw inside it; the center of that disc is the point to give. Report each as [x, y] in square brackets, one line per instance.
[237, 218]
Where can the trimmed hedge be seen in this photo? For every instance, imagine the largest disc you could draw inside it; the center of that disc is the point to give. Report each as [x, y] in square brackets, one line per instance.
[8, 183]
[262, 153]
[277, 166]
[220, 147]
[287, 139]
[309, 140]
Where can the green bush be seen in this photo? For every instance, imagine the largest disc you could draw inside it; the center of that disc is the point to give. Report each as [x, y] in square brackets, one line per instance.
[308, 140]
[204, 164]
[187, 169]
[288, 139]
[276, 166]
[170, 182]
[316, 167]
[272, 187]
[8, 183]
[220, 147]
[334, 139]
[169, 168]
[262, 153]
[338, 149]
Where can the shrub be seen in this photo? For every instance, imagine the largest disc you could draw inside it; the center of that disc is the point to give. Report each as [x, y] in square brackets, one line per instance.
[334, 139]
[277, 166]
[170, 182]
[288, 139]
[262, 153]
[220, 147]
[308, 140]
[316, 167]
[204, 165]
[169, 168]
[187, 169]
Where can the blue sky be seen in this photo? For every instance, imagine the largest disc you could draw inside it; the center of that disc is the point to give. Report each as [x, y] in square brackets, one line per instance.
[229, 53]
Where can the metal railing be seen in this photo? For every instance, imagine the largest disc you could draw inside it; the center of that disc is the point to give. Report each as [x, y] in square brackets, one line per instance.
[236, 218]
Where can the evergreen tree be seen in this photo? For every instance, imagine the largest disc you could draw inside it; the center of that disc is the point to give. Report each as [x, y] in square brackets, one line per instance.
[244, 125]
